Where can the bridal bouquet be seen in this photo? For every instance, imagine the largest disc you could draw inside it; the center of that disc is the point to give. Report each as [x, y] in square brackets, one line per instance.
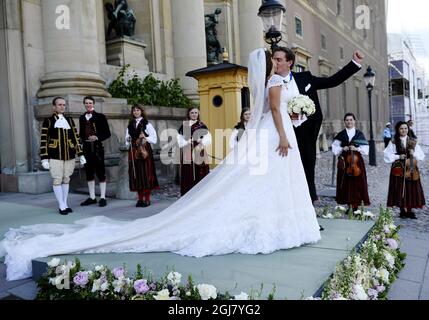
[301, 105]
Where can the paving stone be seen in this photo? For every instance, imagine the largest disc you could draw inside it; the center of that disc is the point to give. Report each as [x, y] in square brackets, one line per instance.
[404, 290]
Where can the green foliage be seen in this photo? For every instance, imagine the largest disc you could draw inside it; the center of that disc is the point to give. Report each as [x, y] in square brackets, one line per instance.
[148, 91]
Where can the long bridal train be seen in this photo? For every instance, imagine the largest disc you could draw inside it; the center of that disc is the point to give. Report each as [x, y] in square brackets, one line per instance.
[232, 210]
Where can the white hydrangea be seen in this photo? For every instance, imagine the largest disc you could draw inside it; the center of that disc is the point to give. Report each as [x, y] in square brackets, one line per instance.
[162, 295]
[241, 296]
[369, 214]
[54, 262]
[359, 293]
[99, 268]
[207, 291]
[383, 274]
[389, 258]
[174, 278]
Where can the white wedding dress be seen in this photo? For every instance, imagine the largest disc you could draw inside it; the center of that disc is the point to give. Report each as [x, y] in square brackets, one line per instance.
[235, 209]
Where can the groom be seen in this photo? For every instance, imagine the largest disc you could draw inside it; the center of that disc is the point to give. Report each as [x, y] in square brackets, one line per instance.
[307, 84]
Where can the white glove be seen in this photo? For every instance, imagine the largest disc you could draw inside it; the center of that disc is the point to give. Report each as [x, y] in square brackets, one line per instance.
[45, 164]
[82, 160]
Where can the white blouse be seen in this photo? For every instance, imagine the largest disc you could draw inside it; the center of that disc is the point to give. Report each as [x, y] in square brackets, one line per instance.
[150, 130]
[390, 155]
[337, 149]
[206, 140]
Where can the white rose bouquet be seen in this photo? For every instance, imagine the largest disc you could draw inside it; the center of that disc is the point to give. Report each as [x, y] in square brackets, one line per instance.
[301, 105]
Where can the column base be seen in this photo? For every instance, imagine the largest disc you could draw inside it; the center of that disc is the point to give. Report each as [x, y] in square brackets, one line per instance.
[78, 83]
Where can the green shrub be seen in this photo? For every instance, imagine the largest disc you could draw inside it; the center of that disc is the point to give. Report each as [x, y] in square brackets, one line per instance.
[148, 91]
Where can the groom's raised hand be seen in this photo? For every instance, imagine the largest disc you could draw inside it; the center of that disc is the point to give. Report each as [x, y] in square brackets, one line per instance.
[358, 57]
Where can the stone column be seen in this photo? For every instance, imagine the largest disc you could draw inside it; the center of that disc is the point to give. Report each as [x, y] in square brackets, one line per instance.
[14, 146]
[189, 41]
[72, 55]
[251, 29]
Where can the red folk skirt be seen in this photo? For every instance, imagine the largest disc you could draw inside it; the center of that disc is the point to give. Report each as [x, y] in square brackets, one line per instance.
[190, 172]
[411, 196]
[145, 178]
[352, 190]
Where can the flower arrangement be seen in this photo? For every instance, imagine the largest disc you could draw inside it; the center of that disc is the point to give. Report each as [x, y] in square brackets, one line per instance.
[69, 281]
[367, 275]
[301, 104]
[341, 212]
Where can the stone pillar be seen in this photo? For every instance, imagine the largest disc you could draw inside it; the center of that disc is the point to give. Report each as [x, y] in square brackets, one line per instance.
[101, 31]
[251, 29]
[14, 134]
[72, 55]
[189, 42]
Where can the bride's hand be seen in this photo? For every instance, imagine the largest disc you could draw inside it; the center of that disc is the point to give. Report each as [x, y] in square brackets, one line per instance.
[283, 147]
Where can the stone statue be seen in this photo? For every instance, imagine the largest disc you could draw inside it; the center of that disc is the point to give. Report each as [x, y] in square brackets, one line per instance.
[122, 19]
[213, 46]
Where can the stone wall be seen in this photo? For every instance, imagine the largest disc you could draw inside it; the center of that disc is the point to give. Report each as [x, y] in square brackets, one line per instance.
[118, 114]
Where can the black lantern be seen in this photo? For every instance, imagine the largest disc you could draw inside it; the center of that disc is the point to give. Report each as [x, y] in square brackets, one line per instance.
[369, 78]
[271, 13]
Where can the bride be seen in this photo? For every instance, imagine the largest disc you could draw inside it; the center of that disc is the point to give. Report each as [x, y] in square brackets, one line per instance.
[236, 209]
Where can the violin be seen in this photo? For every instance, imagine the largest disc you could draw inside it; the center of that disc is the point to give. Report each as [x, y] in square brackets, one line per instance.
[141, 151]
[352, 163]
[411, 169]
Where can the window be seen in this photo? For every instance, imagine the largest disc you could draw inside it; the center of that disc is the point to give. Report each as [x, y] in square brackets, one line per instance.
[299, 68]
[343, 98]
[323, 39]
[357, 101]
[298, 26]
[339, 7]
[341, 53]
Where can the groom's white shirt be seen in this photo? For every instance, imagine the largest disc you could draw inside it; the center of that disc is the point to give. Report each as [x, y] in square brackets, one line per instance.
[292, 91]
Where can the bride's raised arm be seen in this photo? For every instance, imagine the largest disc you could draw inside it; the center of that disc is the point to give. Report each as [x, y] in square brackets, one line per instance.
[274, 94]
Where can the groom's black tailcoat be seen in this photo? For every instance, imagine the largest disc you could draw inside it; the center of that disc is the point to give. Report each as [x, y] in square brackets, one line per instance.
[307, 133]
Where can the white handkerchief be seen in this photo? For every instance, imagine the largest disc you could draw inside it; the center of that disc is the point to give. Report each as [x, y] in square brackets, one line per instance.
[297, 123]
[307, 87]
[62, 123]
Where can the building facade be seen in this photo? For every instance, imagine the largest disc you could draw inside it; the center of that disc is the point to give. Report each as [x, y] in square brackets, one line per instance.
[59, 47]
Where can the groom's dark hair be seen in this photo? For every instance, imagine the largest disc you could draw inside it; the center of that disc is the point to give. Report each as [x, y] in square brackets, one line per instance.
[290, 55]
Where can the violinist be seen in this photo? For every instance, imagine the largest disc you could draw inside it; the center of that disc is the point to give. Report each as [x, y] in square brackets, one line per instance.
[139, 136]
[193, 138]
[350, 145]
[405, 188]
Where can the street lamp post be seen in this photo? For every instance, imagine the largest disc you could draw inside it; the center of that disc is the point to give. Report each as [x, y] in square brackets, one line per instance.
[271, 13]
[369, 77]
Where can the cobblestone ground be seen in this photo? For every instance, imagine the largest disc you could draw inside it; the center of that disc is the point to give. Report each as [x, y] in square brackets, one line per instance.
[378, 183]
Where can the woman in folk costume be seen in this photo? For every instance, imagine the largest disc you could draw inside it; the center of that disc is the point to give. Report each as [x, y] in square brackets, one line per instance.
[193, 137]
[240, 127]
[405, 188]
[140, 135]
[350, 145]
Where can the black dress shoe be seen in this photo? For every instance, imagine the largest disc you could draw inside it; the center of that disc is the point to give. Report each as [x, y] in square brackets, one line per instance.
[139, 204]
[63, 212]
[403, 214]
[146, 204]
[321, 228]
[411, 215]
[88, 202]
[102, 202]
[69, 210]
